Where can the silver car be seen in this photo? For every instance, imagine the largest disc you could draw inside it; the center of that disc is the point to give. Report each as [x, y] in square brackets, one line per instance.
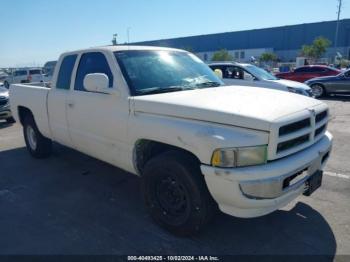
[5, 112]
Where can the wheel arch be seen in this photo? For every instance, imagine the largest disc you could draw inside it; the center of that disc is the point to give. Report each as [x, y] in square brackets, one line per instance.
[23, 112]
[146, 149]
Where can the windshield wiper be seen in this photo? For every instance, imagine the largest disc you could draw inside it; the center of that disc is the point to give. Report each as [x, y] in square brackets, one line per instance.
[208, 84]
[159, 90]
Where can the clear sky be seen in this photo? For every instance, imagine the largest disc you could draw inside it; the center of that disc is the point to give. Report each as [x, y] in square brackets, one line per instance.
[34, 31]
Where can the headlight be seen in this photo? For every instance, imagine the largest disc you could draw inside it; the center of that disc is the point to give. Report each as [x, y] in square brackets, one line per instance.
[298, 91]
[240, 157]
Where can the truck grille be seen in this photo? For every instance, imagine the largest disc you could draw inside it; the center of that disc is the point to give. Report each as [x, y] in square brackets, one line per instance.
[321, 116]
[285, 130]
[293, 136]
[292, 143]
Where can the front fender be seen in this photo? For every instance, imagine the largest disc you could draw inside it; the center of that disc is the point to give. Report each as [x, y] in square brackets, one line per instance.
[197, 137]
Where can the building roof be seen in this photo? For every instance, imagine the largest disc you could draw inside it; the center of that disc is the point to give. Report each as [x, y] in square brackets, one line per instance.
[279, 38]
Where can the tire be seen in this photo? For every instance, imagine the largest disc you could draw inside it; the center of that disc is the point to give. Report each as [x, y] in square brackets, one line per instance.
[10, 120]
[176, 194]
[318, 90]
[6, 85]
[37, 145]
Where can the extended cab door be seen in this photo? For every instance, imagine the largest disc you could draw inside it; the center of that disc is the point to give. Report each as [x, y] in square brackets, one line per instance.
[57, 101]
[98, 121]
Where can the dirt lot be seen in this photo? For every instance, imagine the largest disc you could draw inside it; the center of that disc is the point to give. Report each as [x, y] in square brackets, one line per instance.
[73, 204]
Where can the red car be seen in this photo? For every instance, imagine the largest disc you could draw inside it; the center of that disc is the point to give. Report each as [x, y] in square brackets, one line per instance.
[305, 73]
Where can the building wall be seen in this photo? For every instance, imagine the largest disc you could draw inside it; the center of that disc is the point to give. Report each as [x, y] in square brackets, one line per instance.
[239, 55]
[286, 41]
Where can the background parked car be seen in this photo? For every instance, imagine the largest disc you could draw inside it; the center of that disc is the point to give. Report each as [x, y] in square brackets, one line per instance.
[48, 70]
[5, 112]
[339, 84]
[24, 76]
[305, 73]
[3, 75]
[251, 75]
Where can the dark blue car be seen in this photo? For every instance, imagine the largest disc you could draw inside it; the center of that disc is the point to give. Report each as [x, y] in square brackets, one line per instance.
[322, 86]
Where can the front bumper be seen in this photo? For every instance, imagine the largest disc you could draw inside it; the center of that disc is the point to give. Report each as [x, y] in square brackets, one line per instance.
[259, 190]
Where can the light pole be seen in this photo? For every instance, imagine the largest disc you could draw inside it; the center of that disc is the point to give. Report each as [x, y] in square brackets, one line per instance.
[340, 4]
[128, 34]
[114, 40]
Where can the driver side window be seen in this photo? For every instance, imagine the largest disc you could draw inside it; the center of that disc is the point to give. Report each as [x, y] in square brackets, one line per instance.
[90, 63]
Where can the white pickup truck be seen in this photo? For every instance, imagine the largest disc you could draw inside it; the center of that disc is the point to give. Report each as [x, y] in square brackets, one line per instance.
[164, 115]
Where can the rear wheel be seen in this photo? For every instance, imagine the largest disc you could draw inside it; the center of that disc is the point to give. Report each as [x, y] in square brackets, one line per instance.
[37, 145]
[176, 194]
[318, 90]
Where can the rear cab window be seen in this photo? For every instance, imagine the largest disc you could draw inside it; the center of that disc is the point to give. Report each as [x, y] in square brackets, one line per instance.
[65, 73]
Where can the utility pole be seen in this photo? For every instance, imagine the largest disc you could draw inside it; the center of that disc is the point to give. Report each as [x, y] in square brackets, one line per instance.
[114, 40]
[128, 34]
[340, 5]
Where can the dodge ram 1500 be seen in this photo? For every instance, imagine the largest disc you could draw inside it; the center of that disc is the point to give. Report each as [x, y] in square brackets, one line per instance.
[197, 145]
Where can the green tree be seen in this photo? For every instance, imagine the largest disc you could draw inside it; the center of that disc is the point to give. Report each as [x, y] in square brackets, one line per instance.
[268, 57]
[222, 55]
[317, 49]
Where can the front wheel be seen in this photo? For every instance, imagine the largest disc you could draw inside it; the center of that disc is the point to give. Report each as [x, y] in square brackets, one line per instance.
[318, 90]
[175, 193]
[37, 145]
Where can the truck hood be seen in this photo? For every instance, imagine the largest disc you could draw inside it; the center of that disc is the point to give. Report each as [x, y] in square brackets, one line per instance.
[290, 83]
[254, 108]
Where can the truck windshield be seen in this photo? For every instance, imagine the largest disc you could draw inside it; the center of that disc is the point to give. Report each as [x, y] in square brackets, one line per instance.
[152, 71]
[260, 73]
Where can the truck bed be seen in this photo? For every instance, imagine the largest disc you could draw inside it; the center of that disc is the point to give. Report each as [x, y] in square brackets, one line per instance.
[33, 97]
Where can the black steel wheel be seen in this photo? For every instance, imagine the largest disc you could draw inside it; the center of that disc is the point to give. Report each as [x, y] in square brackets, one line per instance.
[175, 193]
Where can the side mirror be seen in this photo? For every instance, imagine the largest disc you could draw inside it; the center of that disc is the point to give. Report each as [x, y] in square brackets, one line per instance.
[98, 83]
[219, 73]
